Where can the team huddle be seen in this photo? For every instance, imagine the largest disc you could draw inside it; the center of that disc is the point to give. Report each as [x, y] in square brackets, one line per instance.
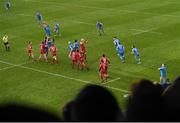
[77, 49]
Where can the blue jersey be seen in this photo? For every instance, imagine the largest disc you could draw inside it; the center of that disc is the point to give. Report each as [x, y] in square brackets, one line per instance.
[116, 42]
[57, 27]
[162, 71]
[135, 51]
[47, 30]
[99, 25]
[120, 49]
[71, 47]
[39, 16]
[76, 45]
[7, 5]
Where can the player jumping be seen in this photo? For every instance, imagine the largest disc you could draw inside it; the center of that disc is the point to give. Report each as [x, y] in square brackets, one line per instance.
[162, 70]
[120, 50]
[30, 50]
[47, 29]
[39, 17]
[6, 42]
[136, 53]
[53, 51]
[99, 27]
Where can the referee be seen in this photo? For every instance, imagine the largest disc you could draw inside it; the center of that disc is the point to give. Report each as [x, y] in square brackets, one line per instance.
[6, 42]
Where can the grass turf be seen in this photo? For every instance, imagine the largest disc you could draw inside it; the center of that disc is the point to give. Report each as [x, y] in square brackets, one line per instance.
[153, 26]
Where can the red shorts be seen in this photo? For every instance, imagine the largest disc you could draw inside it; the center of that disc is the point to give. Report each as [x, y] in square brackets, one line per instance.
[74, 61]
[42, 52]
[29, 51]
[103, 73]
[54, 54]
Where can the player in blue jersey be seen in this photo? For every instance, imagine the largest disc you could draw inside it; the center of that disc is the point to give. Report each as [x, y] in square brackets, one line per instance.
[57, 30]
[162, 70]
[76, 45]
[7, 6]
[99, 27]
[70, 47]
[136, 54]
[116, 41]
[47, 29]
[39, 17]
[120, 49]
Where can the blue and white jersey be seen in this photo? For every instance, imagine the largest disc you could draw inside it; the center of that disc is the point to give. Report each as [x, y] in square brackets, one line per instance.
[70, 46]
[76, 45]
[47, 30]
[116, 42]
[99, 25]
[135, 51]
[57, 27]
[7, 5]
[120, 49]
[162, 71]
[39, 16]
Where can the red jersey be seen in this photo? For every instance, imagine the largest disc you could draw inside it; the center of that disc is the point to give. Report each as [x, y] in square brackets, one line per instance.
[42, 48]
[53, 50]
[74, 55]
[105, 60]
[103, 67]
[82, 48]
[81, 57]
[29, 48]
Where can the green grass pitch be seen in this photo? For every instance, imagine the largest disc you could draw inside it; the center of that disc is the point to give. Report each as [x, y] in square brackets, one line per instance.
[153, 26]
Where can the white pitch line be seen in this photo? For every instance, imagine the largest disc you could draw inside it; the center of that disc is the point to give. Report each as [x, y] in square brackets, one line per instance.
[83, 22]
[63, 76]
[12, 65]
[112, 80]
[101, 8]
[139, 31]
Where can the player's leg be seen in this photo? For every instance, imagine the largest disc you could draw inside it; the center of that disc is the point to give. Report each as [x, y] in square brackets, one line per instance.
[45, 57]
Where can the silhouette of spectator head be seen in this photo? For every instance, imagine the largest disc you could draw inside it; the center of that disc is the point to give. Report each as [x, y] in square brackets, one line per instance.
[18, 113]
[145, 102]
[95, 103]
[171, 97]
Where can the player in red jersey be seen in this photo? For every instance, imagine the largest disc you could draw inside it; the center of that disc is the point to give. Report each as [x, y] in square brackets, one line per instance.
[82, 47]
[42, 51]
[81, 59]
[103, 71]
[30, 50]
[53, 51]
[105, 61]
[74, 58]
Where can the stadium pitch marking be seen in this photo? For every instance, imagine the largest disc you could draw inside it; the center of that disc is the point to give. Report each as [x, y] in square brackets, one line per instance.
[139, 31]
[111, 81]
[63, 76]
[101, 8]
[12, 66]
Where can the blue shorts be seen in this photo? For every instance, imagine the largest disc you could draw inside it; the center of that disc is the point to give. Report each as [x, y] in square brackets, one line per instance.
[121, 54]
